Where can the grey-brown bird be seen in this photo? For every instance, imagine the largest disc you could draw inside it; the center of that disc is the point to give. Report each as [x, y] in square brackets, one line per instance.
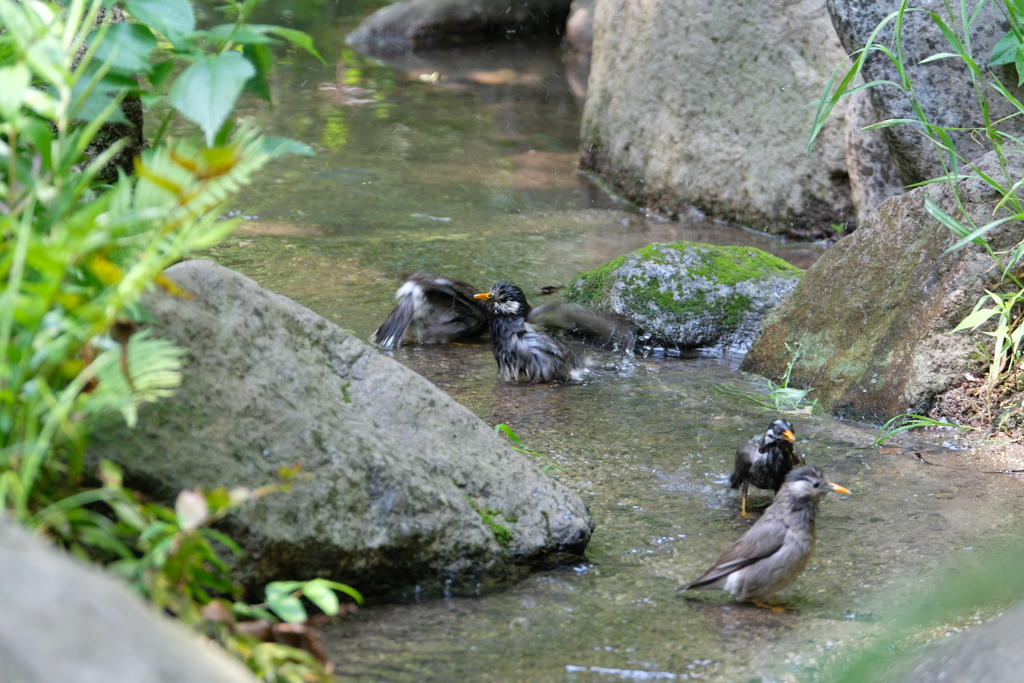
[764, 464]
[777, 547]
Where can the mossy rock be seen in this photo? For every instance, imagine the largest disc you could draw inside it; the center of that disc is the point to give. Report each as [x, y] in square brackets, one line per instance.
[689, 295]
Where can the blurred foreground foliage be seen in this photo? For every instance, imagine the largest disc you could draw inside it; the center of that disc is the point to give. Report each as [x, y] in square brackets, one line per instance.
[75, 260]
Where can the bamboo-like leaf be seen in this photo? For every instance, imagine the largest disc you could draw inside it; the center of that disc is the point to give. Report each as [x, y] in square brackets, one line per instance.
[975, 319]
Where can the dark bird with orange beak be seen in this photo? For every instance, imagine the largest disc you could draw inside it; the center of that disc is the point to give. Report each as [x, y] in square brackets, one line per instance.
[777, 547]
[765, 464]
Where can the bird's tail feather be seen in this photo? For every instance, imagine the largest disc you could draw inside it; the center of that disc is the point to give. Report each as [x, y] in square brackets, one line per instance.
[389, 334]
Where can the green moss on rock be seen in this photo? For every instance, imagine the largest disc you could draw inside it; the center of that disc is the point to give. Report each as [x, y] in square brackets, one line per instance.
[689, 294]
[501, 533]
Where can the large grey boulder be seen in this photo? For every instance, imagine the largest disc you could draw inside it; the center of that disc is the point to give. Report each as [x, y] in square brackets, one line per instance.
[688, 295]
[405, 486]
[943, 87]
[435, 24]
[66, 621]
[873, 316]
[705, 104]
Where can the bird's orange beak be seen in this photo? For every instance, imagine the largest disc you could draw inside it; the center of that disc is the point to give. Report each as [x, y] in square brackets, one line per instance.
[839, 489]
[789, 436]
[486, 296]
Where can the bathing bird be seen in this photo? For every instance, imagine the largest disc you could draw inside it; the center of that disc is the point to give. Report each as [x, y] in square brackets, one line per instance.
[524, 347]
[765, 464]
[432, 308]
[777, 547]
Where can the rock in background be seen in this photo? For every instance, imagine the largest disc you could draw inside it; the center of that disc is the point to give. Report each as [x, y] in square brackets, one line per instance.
[405, 485]
[435, 24]
[66, 621]
[579, 27]
[705, 104]
[689, 295]
[873, 175]
[873, 316]
[943, 87]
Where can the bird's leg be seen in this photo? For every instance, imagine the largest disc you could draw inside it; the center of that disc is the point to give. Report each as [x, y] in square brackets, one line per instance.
[778, 609]
[743, 501]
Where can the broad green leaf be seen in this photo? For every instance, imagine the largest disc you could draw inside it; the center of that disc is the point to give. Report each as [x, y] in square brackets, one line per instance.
[277, 147]
[14, 80]
[1005, 51]
[262, 60]
[90, 105]
[1019, 63]
[975, 319]
[321, 595]
[158, 76]
[131, 45]
[347, 590]
[206, 91]
[245, 610]
[173, 18]
[285, 605]
[297, 38]
[243, 35]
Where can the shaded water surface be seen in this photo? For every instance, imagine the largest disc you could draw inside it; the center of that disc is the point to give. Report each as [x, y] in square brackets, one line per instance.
[464, 163]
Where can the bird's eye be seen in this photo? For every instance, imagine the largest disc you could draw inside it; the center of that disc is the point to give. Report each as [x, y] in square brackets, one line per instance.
[816, 484]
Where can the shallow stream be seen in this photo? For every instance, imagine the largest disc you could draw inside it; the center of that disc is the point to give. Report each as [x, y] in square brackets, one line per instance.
[464, 163]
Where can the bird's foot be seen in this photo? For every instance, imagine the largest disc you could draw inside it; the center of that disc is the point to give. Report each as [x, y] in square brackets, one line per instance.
[777, 607]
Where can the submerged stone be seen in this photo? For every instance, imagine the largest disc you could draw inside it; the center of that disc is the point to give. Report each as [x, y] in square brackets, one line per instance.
[873, 316]
[689, 295]
[401, 485]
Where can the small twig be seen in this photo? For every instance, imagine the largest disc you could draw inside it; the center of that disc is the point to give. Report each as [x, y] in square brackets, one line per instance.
[1002, 471]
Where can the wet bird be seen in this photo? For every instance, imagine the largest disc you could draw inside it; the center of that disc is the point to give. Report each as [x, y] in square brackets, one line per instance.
[523, 344]
[777, 547]
[765, 464]
[432, 308]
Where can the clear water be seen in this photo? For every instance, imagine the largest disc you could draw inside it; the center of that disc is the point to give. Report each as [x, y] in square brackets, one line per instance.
[472, 173]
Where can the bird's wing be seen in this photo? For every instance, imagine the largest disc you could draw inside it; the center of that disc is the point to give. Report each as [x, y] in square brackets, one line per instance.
[426, 290]
[582, 321]
[447, 290]
[746, 455]
[761, 540]
[545, 358]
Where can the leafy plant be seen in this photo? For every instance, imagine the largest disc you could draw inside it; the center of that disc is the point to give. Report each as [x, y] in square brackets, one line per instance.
[955, 28]
[908, 421]
[518, 445]
[75, 261]
[781, 398]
